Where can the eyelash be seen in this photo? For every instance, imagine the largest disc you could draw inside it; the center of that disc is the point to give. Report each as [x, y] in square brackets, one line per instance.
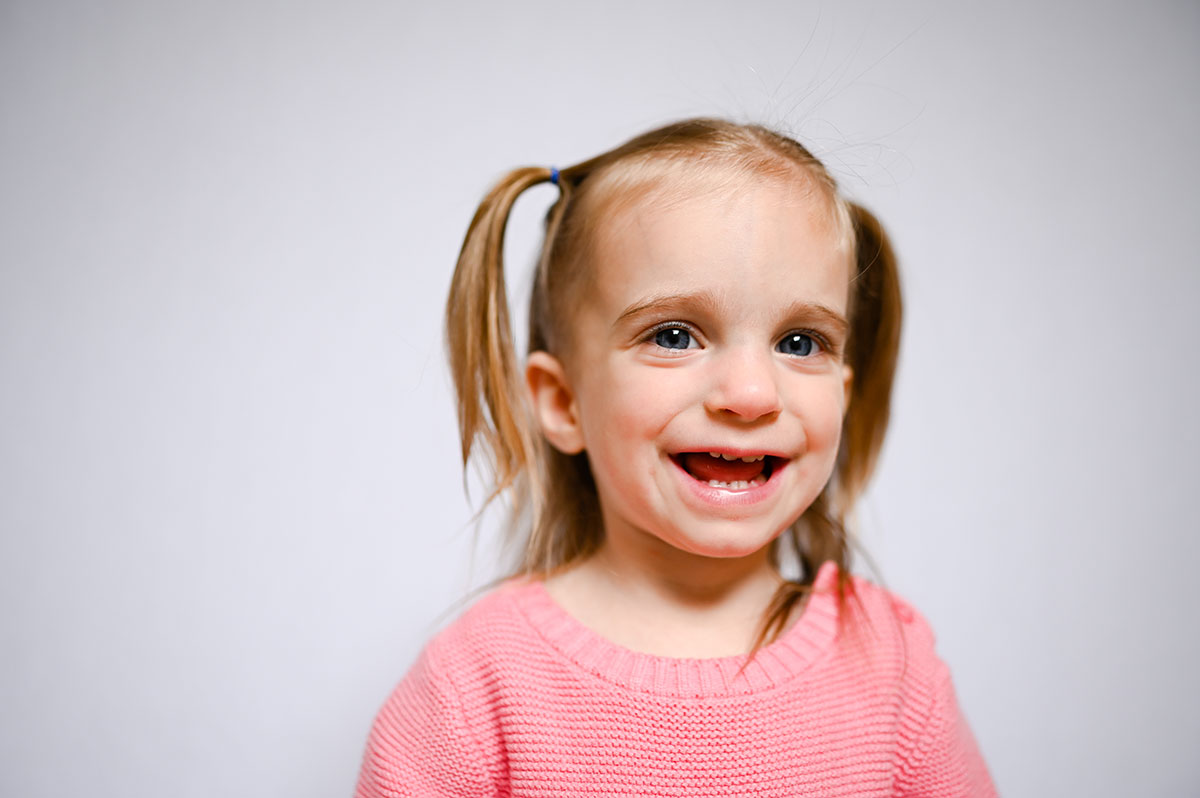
[650, 335]
[653, 332]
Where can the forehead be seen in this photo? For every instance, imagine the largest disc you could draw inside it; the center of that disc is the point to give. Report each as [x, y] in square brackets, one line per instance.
[753, 245]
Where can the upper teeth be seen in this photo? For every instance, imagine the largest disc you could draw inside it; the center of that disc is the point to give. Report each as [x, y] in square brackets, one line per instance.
[748, 459]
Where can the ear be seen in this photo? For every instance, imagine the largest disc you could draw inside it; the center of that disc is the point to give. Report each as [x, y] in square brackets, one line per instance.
[847, 387]
[553, 402]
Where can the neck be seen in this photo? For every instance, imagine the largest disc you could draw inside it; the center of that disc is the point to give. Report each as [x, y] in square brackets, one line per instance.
[646, 572]
[647, 595]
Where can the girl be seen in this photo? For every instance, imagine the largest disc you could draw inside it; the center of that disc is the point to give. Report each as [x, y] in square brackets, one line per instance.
[713, 334]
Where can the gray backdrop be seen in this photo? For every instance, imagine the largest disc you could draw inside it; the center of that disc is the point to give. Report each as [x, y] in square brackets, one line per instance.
[232, 510]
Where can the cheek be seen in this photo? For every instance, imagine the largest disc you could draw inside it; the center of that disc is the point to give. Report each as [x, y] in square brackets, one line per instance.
[619, 429]
[632, 403]
[821, 408]
[622, 415]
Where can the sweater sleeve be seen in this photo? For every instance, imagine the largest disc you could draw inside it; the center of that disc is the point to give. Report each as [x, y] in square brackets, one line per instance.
[945, 762]
[939, 757]
[419, 744]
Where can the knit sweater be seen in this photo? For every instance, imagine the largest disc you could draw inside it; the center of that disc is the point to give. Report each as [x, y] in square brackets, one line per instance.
[518, 698]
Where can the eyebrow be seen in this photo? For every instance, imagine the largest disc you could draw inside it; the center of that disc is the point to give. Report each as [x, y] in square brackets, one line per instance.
[708, 302]
[702, 300]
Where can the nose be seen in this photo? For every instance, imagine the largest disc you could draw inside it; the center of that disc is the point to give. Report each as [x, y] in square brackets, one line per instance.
[745, 385]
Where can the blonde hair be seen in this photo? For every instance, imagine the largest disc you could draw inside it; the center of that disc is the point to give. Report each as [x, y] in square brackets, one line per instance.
[553, 496]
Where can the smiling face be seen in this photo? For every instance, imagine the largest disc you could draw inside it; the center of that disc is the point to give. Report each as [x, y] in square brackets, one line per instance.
[705, 378]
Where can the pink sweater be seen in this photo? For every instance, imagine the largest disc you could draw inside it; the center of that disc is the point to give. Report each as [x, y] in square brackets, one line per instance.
[517, 698]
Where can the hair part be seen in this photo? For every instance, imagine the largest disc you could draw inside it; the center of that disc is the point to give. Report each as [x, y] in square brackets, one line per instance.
[553, 495]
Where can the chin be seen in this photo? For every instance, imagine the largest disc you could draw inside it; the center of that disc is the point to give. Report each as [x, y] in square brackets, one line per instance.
[726, 543]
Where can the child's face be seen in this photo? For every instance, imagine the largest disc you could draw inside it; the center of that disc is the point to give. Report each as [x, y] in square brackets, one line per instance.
[713, 325]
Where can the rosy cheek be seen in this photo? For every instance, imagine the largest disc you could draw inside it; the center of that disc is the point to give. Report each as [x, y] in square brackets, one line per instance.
[646, 394]
[619, 409]
[636, 417]
[821, 411]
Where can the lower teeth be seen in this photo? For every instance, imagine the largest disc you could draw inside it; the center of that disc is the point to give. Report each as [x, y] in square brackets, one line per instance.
[738, 484]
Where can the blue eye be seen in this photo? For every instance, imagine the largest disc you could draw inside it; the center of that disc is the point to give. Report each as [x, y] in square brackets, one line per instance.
[673, 338]
[797, 344]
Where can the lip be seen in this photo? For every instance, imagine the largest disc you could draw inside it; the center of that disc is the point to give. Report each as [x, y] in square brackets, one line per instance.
[733, 452]
[716, 498]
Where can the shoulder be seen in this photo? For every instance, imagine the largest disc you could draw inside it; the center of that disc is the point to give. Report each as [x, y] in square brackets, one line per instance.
[496, 647]
[894, 629]
[493, 621]
[938, 752]
[435, 730]
[454, 663]
[880, 603]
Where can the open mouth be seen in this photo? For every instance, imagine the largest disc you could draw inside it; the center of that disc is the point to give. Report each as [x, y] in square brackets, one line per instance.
[731, 472]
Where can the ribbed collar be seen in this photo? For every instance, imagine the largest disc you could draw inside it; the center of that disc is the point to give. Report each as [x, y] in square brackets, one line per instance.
[800, 645]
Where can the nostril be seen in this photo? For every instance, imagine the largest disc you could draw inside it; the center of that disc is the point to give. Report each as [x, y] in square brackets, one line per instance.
[745, 386]
[750, 400]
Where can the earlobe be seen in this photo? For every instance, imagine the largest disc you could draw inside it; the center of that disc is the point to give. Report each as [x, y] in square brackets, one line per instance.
[553, 402]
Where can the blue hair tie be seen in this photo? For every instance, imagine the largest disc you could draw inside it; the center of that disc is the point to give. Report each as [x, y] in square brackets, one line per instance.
[554, 175]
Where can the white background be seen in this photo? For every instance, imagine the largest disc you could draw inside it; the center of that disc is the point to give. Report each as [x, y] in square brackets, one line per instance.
[231, 507]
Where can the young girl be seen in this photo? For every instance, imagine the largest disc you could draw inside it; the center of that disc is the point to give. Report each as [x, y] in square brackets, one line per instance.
[713, 334]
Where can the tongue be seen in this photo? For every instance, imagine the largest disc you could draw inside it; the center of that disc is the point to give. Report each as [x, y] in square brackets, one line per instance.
[705, 467]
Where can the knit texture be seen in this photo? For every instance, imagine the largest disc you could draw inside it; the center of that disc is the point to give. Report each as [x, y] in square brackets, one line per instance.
[518, 698]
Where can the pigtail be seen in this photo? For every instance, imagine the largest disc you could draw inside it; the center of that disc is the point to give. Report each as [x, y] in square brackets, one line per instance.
[874, 345]
[483, 362]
